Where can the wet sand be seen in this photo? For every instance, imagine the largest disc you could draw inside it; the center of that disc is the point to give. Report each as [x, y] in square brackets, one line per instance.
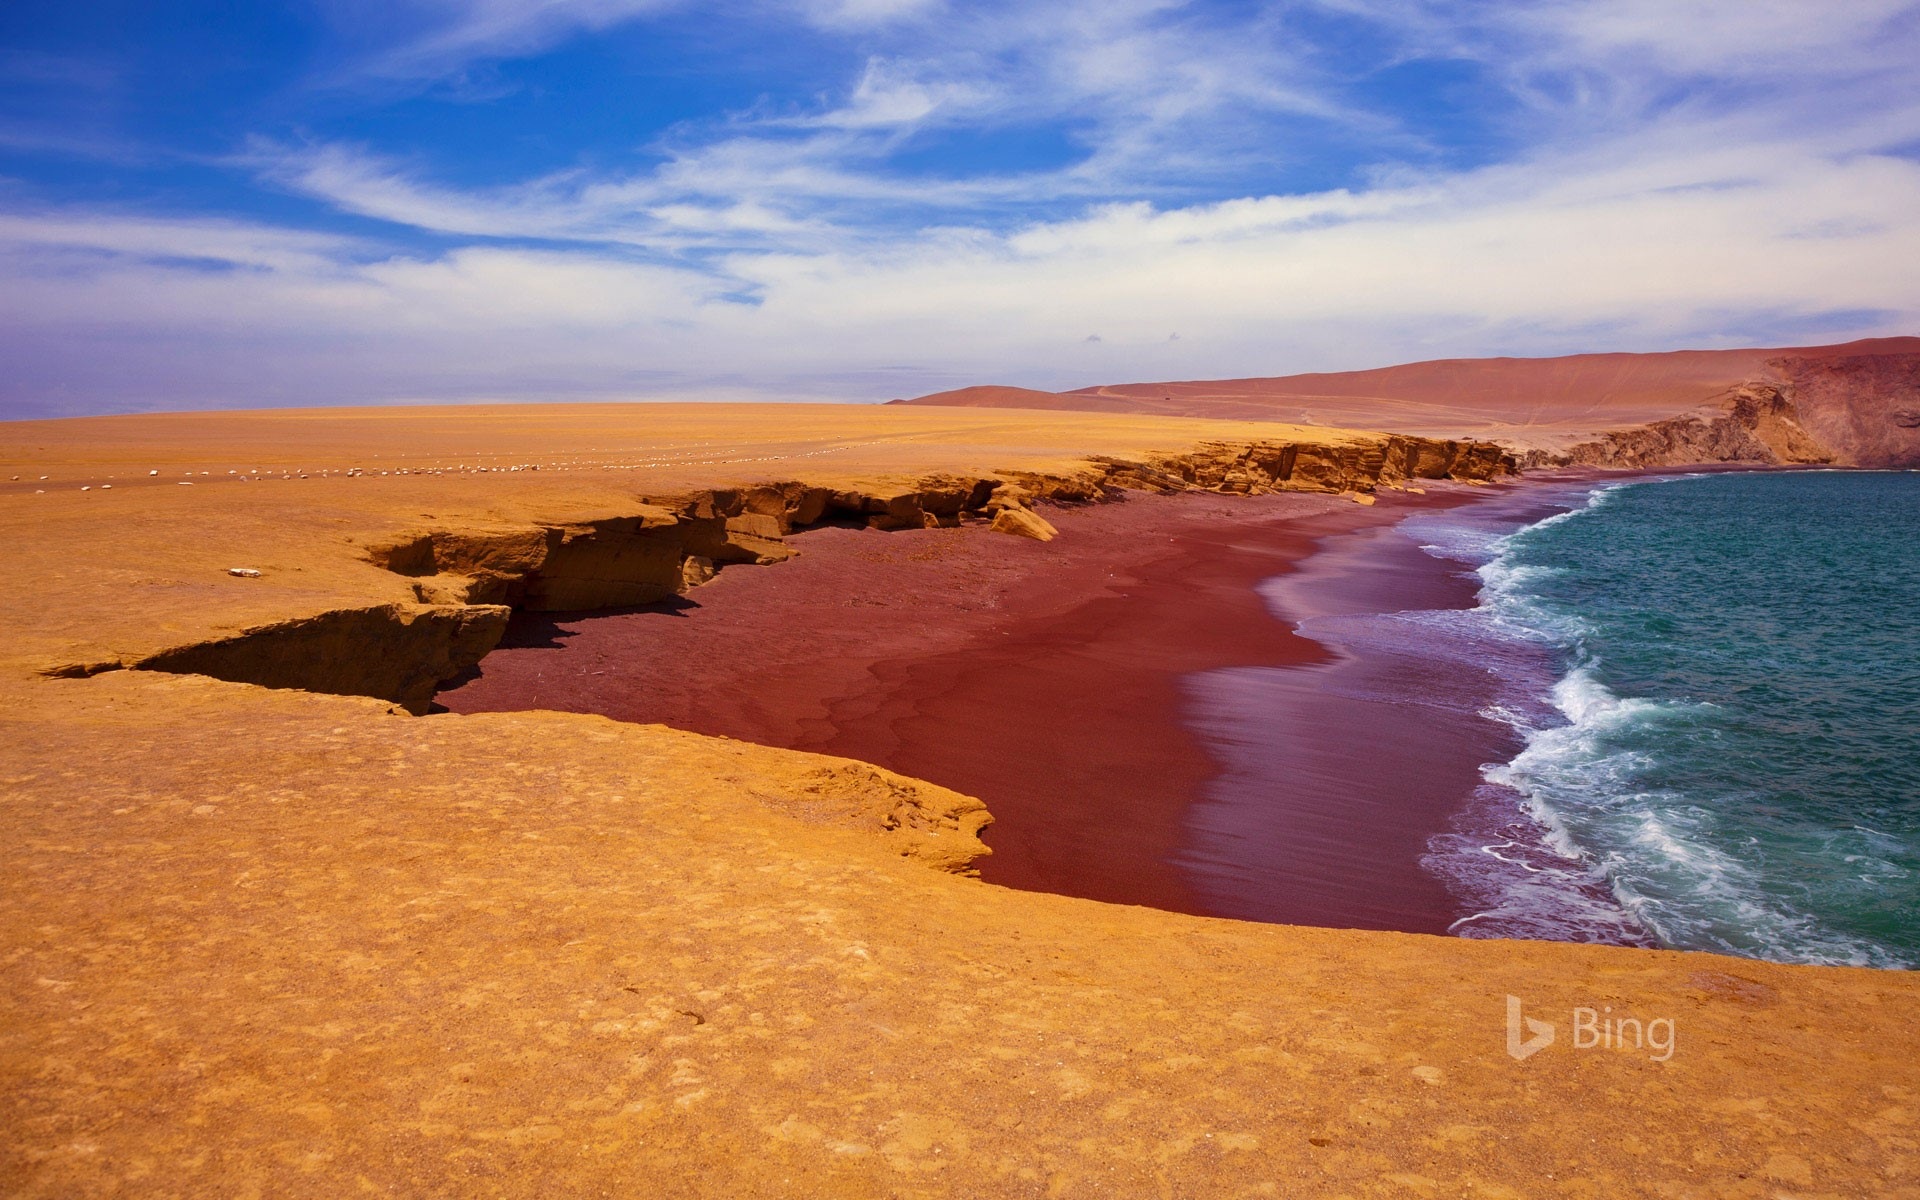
[1075, 688]
[1335, 774]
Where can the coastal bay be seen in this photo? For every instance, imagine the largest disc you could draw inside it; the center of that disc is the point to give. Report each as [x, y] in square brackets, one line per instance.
[1130, 701]
[585, 954]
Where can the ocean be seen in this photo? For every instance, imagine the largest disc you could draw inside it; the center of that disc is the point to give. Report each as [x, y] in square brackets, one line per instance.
[1716, 680]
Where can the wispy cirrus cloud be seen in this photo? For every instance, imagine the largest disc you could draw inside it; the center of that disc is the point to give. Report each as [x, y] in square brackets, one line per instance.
[110, 236]
[433, 38]
[1145, 99]
[429, 38]
[1633, 177]
[1726, 38]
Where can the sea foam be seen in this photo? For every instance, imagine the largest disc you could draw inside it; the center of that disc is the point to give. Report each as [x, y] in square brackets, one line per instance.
[1623, 817]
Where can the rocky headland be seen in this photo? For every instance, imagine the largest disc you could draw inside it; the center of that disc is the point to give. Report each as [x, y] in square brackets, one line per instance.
[1855, 404]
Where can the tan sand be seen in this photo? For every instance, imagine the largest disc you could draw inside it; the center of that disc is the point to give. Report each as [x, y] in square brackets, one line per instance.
[270, 942]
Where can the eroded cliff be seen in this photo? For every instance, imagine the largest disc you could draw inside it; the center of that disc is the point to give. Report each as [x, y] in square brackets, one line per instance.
[1865, 406]
[1854, 410]
[1754, 423]
[1853, 404]
[467, 579]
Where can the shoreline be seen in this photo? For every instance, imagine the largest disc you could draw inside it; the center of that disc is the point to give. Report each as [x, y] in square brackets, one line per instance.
[316, 938]
[1057, 683]
[1657, 802]
[1337, 776]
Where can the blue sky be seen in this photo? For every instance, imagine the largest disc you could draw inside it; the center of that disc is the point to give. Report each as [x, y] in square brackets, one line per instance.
[358, 201]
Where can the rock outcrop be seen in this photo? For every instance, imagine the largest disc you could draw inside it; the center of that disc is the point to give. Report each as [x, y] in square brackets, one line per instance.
[1021, 522]
[1851, 404]
[1858, 410]
[918, 820]
[1865, 406]
[466, 581]
[400, 653]
[1754, 423]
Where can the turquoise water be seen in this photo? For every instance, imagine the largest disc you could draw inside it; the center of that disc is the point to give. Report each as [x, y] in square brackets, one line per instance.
[1728, 746]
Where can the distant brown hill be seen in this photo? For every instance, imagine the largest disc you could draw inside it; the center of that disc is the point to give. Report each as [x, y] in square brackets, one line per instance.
[1858, 399]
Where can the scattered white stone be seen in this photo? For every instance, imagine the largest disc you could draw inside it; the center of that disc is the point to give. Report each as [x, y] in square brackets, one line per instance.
[86, 489]
[106, 487]
[153, 472]
[243, 572]
[186, 483]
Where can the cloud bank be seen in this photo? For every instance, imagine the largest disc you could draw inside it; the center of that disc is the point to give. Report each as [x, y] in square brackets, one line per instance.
[1218, 192]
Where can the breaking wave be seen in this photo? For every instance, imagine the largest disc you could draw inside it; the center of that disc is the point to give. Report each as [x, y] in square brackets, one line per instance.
[1667, 792]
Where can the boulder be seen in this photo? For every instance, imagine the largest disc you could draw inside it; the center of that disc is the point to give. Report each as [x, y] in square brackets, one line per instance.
[1021, 522]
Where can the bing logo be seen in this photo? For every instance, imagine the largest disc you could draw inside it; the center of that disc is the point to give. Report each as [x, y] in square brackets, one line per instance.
[1593, 1029]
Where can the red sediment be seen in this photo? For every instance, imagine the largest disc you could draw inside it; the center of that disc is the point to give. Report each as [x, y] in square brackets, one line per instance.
[1580, 394]
[1338, 772]
[1050, 680]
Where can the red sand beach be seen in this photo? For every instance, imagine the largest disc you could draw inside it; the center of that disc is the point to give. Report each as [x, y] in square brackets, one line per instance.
[1055, 682]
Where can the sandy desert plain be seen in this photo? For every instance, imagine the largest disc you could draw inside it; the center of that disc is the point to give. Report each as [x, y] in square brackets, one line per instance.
[295, 940]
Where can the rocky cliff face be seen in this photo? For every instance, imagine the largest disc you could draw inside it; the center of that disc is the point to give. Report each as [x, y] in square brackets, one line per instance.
[1848, 410]
[466, 580]
[1866, 406]
[395, 652]
[1757, 423]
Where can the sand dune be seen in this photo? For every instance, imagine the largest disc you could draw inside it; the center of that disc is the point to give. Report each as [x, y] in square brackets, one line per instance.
[994, 396]
[1531, 403]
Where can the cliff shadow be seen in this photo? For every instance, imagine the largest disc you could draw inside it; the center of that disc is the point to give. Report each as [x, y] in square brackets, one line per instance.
[550, 631]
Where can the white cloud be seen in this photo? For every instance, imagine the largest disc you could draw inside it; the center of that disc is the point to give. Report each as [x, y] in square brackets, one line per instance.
[1659, 199]
[435, 38]
[862, 13]
[226, 243]
[1730, 37]
[452, 33]
[1157, 100]
[1505, 248]
[888, 97]
[1603, 252]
